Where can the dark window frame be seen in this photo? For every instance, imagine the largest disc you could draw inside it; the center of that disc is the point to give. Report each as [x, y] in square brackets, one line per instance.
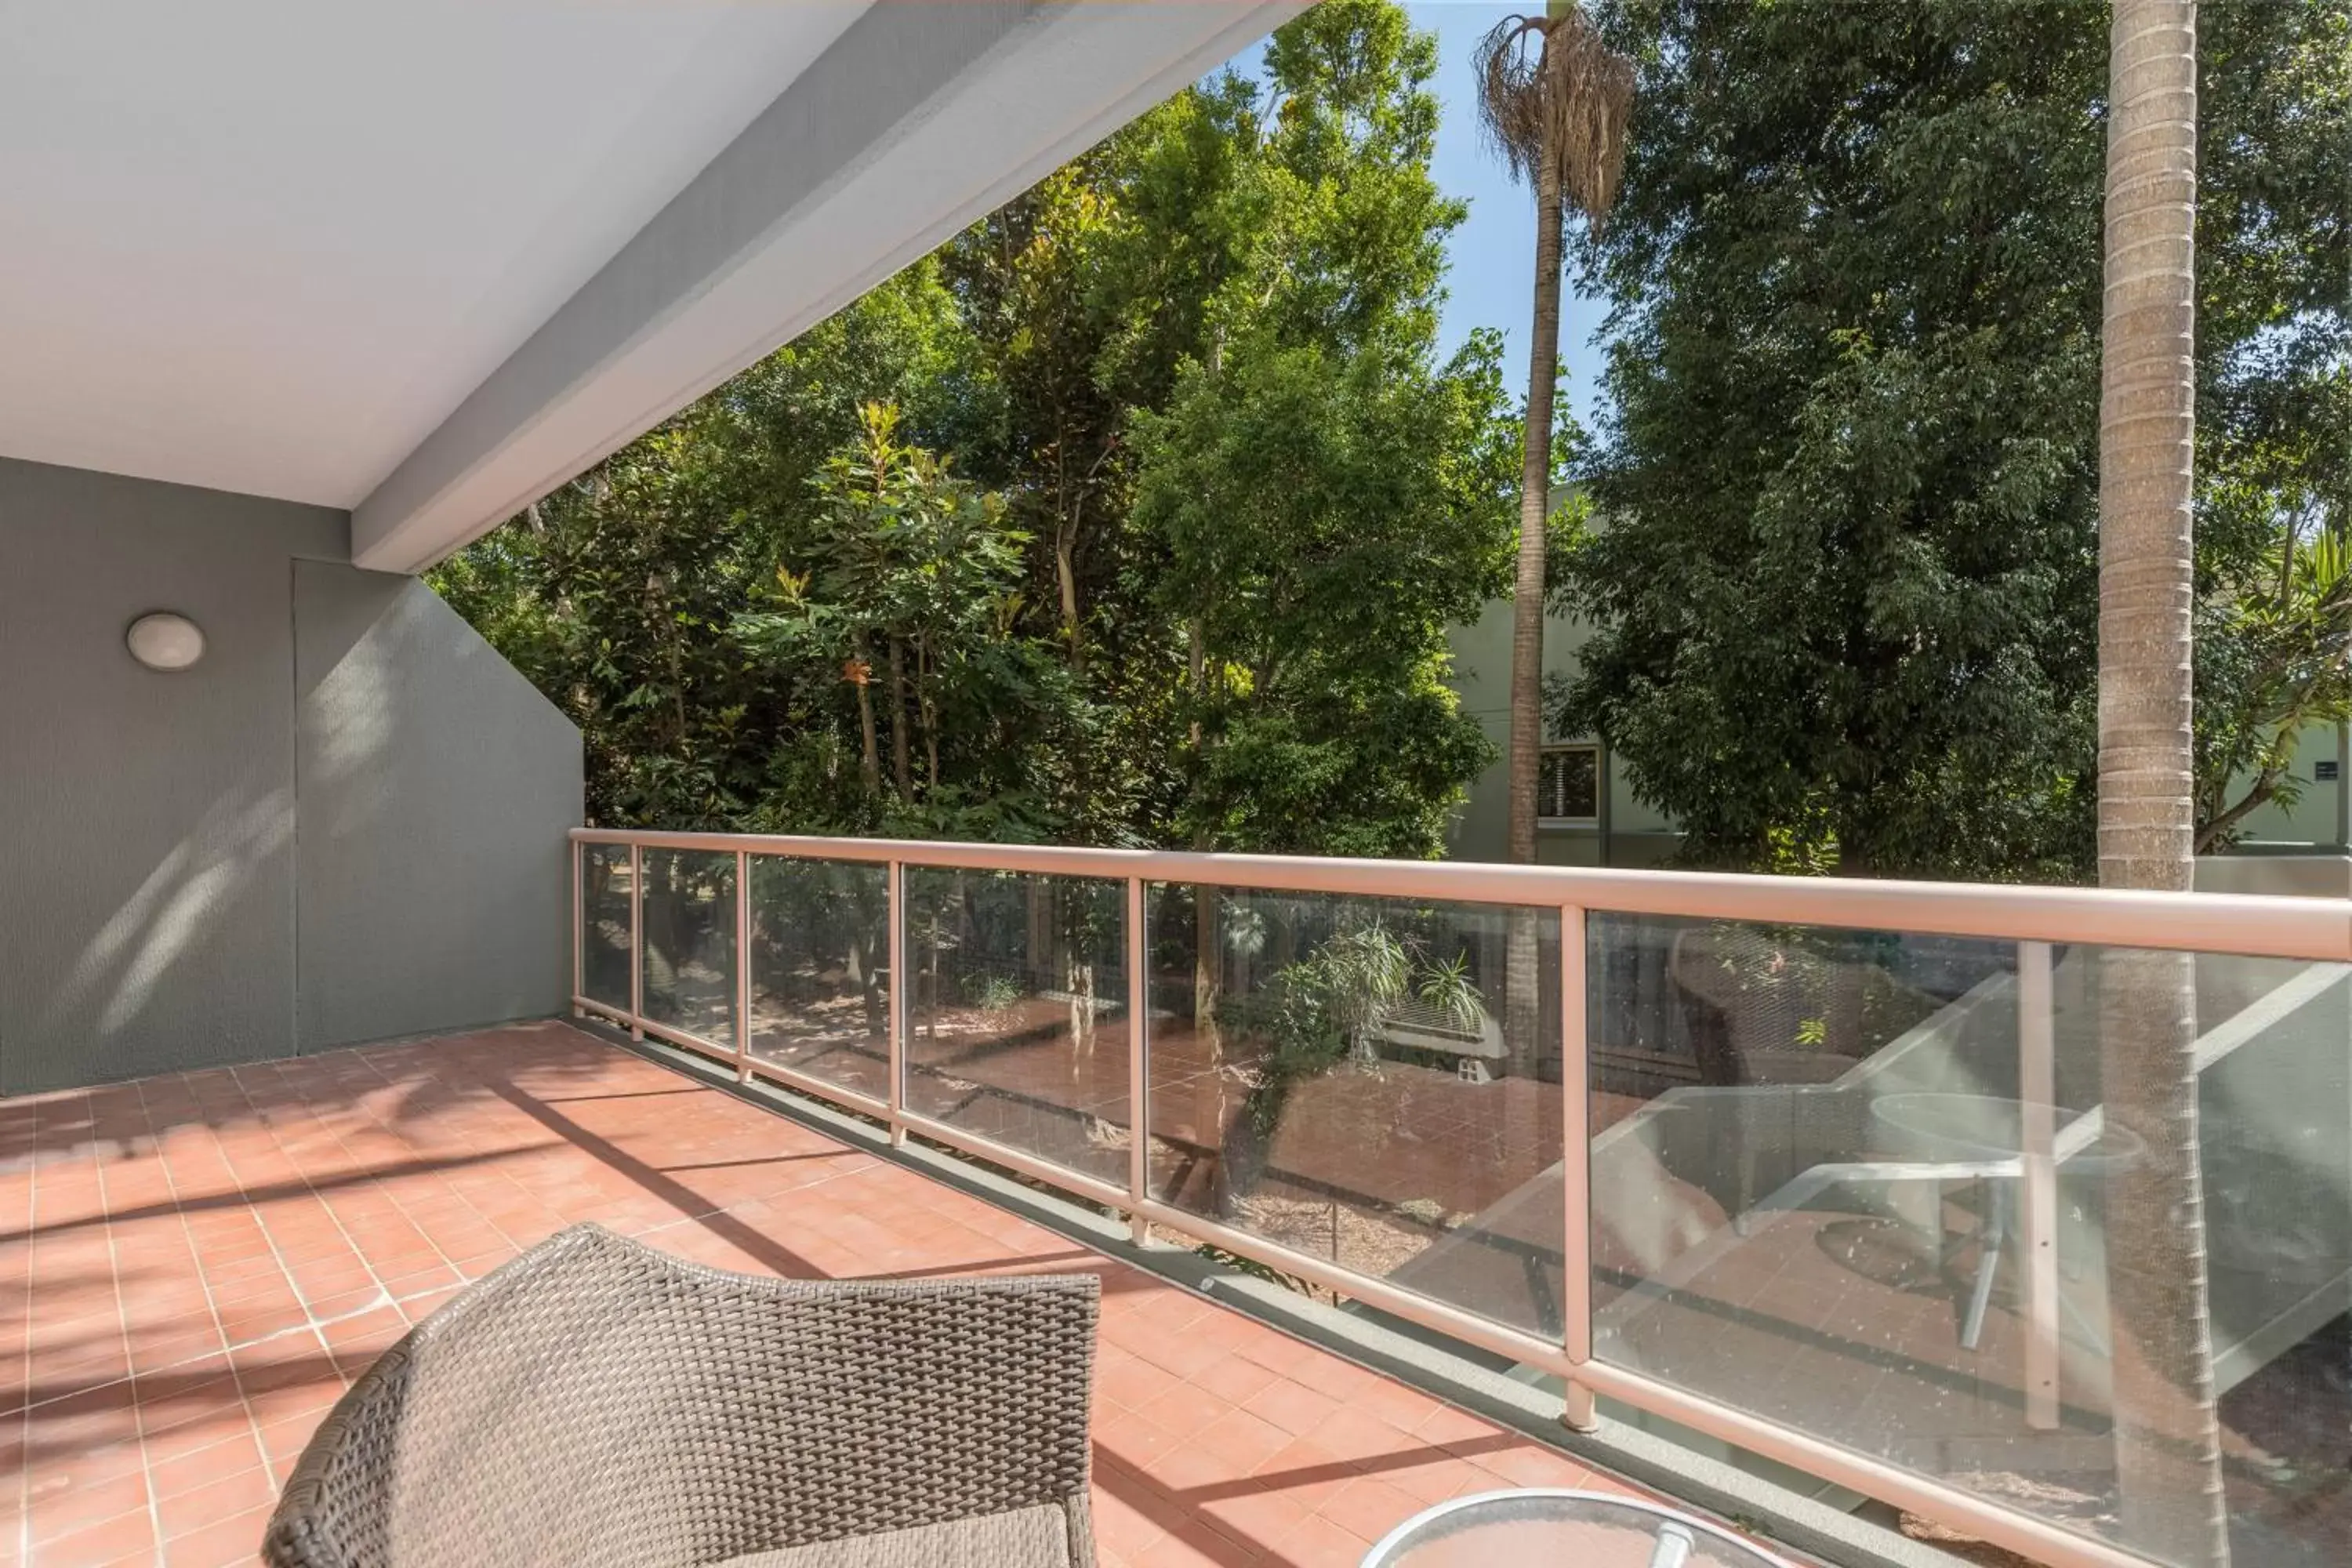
[1550, 785]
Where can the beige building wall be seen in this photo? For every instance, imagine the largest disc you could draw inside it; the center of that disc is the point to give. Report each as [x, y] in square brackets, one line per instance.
[1636, 835]
[2317, 814]
[1629, 833]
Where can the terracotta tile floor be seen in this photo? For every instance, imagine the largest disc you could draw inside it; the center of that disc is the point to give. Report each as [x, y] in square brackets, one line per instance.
[192, 1267]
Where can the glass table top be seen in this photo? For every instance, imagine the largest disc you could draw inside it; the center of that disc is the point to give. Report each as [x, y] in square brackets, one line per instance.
[1541, 1526]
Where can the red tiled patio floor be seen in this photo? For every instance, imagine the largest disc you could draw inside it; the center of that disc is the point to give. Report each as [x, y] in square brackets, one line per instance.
[192, 1267]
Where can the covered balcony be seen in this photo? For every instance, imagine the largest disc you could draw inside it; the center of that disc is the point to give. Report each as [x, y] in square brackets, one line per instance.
[1821, 1208]
[1871, 1266]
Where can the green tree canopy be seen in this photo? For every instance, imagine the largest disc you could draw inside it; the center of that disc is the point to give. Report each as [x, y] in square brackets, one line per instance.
[1843, 581]
[941, 565]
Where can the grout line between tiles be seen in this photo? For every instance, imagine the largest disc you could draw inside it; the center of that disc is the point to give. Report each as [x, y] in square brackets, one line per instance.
[195, 1254]
[121, 1318]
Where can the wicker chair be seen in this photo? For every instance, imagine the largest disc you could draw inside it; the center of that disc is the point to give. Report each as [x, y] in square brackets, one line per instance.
[597, 1402]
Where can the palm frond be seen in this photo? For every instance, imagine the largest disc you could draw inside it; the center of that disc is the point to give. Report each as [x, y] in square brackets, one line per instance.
[1554, 85]
[1509, 65]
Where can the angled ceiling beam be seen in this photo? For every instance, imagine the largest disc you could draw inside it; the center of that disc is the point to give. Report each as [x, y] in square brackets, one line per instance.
[921, 119]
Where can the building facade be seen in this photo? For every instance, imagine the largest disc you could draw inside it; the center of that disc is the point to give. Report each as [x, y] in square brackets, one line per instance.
[1590, 816]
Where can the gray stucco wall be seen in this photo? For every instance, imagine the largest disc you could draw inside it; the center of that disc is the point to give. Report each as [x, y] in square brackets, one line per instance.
[148, 830]
[434, 785]
[182, 852]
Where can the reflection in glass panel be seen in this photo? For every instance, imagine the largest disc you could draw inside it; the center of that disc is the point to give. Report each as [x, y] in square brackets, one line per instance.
[1017, 1024]
[2267, 1045]
[1834, 1184]
[1350, 1077]
[689, 907]
[604, 924]
[820, 970]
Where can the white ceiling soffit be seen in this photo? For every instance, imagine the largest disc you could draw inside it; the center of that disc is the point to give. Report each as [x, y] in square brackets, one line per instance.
[266, 245]
[918, 120]
[428, 260]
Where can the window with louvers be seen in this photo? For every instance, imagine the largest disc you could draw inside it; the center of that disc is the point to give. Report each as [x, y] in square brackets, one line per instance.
[1570, 784]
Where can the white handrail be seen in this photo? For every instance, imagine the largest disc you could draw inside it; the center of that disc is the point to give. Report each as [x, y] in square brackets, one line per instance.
[2318, 929]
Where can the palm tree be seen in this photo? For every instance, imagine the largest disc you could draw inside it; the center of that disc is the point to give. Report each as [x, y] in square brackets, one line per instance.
[1554, 100]
[2167, 1441]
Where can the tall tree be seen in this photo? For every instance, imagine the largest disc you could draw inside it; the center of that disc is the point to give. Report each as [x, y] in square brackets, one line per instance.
[1845, 570]
[1844, 574]
[725, 570]
[2273, 660]
[2274, 468]
[1554, 100]
[1832, 628]
[1327, 495]
[2166, 1430]
[618, 592]
[904, 595]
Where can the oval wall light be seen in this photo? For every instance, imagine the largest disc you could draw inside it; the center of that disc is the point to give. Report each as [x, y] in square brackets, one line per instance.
[165, 641]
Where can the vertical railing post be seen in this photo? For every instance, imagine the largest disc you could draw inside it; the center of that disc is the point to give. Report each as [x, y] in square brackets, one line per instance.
[1139, 1016]
[2037, 1090]
[1576, 1168]
[899, 999]
[637, 942]
[742, 967]
[579, 941]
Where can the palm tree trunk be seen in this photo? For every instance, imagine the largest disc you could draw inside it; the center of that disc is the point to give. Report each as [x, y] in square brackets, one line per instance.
[2167, 1429]
[1522, 1008]
[1535, 495]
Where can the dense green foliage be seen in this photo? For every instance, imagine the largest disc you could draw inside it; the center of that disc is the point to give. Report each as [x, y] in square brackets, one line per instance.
[1137, 513]
[1846, 585]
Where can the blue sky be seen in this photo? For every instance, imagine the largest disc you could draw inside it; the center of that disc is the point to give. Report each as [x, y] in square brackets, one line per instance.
[1494, 254]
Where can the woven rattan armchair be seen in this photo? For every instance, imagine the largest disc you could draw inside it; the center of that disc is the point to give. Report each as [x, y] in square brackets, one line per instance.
[597, 1402]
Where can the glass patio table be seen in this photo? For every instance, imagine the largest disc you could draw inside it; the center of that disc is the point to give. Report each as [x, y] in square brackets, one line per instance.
[1540, 1527]
[1982, 1137]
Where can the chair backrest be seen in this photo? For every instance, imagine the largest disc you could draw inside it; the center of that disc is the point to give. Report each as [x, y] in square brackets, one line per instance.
[599, 1402]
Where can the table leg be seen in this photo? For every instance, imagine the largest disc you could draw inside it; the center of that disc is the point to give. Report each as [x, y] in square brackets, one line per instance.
[1991, 1239]
[1920, 1206]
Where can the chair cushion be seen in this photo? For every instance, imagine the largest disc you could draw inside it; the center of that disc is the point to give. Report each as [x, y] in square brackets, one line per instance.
[1026, 1537]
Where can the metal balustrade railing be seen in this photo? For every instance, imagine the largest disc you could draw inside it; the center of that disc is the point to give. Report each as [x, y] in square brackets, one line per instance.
[1815, 1168]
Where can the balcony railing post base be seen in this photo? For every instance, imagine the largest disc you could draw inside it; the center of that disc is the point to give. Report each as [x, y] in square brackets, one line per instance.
[1576, 1411]
[1139, 1230]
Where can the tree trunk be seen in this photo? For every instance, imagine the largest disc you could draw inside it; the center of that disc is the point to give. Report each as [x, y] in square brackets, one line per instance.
[1522, 1007]
[2167, 1429]
[1246, 1146]
[1066, 578]
[927, 708]
[870, 760]
[1209, 1096]
[901, 766]
[1210, 1091]
[1535, 499]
